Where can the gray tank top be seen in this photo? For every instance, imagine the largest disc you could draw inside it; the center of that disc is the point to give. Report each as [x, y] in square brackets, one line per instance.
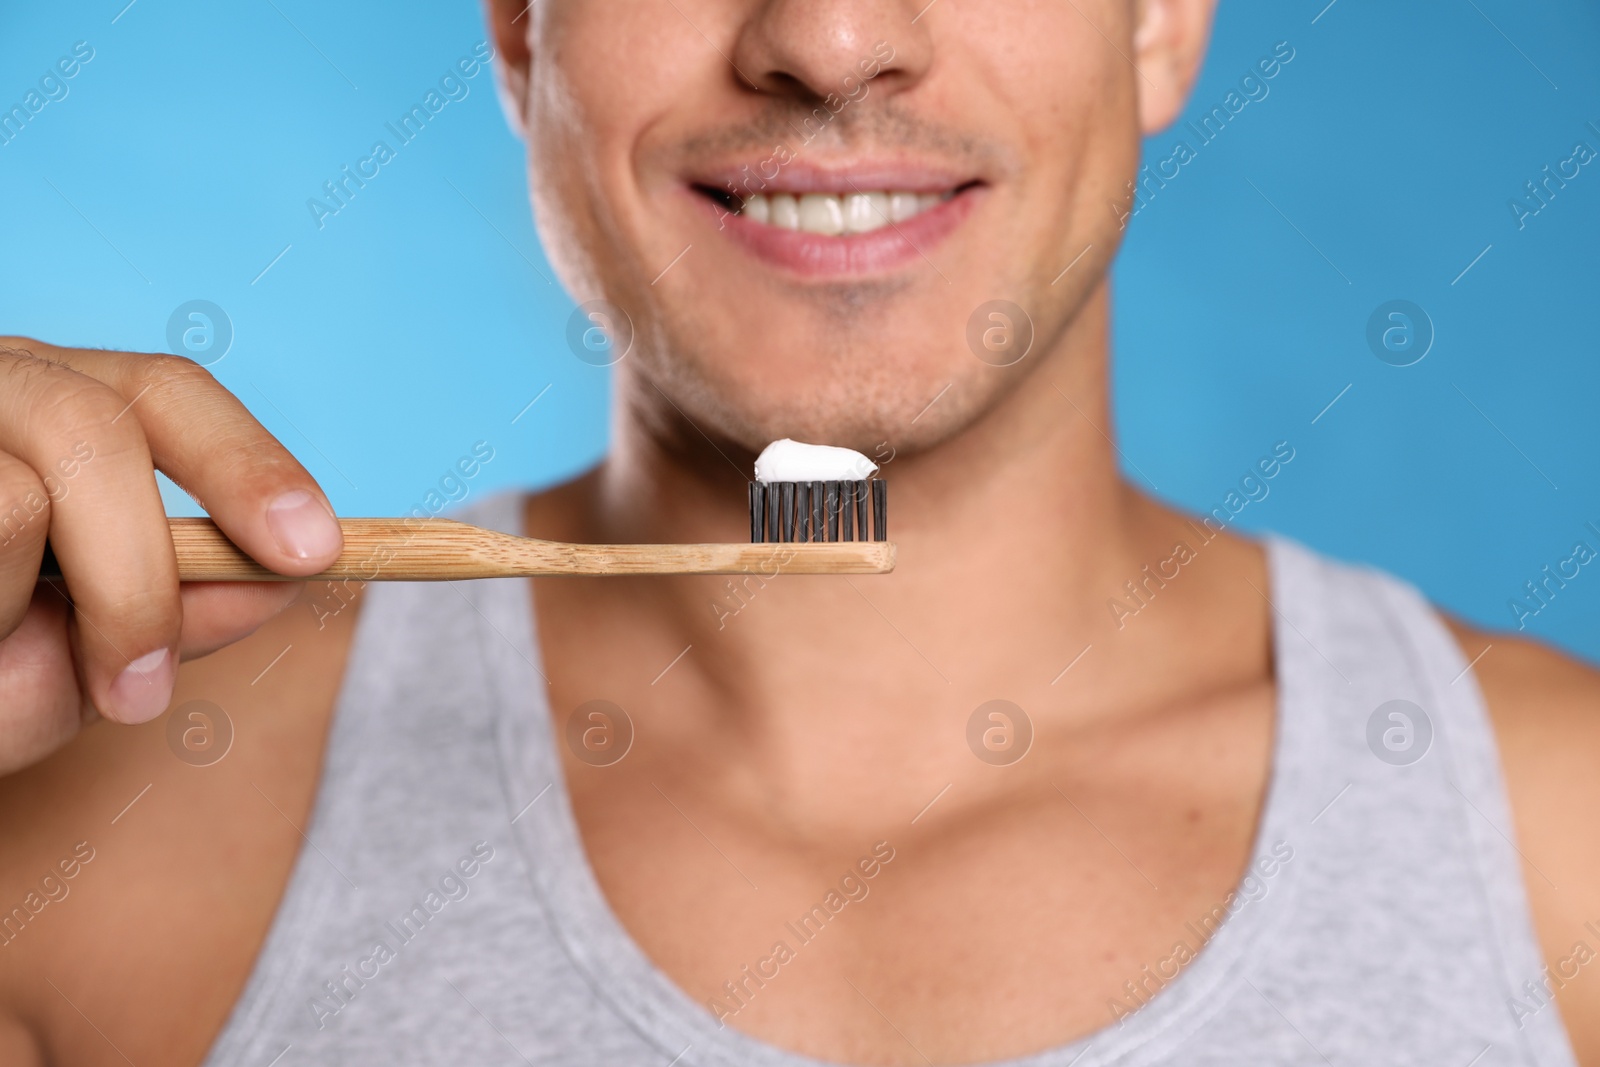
[444, 910]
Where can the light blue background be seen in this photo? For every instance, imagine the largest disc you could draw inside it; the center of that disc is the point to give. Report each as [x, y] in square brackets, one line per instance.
[1379, 167]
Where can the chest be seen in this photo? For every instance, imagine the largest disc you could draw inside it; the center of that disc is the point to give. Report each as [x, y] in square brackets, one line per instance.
[989, 923]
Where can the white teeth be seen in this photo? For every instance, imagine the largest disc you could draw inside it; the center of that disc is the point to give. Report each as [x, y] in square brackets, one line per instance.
[865, 211]
[831, 216]
[821, 213]
[785, 212]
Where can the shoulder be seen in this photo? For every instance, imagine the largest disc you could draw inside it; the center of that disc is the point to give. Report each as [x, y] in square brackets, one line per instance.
[1535, 693]
[140, 867]
[1545, 709]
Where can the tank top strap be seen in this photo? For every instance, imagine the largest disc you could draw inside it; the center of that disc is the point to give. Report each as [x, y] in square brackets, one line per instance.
[1408, 836]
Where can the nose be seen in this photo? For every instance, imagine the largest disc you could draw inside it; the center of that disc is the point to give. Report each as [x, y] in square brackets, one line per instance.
[807, 49]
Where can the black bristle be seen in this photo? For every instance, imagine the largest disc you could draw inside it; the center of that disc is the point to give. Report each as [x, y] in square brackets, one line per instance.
[802, 511]
[880, 510]
[819, 511]
[786, 508]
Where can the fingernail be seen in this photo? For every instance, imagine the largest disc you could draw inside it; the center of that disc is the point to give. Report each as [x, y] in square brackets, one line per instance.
[303, 526]
[144, 688]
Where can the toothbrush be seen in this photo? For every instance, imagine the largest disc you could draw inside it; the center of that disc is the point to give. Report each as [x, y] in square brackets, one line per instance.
[426, 550]
[797, 526]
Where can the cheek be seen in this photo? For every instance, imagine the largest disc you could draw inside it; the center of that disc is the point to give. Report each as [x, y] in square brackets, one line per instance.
[589, 129]
[1037, 70]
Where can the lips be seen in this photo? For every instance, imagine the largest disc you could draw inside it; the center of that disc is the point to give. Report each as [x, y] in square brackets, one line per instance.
[824, 222]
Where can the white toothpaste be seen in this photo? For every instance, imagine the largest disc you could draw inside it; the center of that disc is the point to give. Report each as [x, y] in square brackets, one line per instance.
[792, 461]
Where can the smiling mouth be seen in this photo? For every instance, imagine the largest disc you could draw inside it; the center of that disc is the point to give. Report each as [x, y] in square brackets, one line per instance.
[832, 214]
[829, 224]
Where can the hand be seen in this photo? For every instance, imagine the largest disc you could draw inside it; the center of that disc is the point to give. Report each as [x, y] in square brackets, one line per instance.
[81, 435]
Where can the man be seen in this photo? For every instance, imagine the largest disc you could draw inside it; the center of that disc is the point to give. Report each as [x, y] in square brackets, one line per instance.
[1261, 820]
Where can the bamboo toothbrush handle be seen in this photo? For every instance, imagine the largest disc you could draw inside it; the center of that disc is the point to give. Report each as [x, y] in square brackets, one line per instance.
[428, 550]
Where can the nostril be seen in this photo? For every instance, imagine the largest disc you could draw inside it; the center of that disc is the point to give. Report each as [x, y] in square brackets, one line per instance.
[808, 50]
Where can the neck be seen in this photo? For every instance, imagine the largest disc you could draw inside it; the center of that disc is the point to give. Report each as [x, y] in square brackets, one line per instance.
[1014, 536]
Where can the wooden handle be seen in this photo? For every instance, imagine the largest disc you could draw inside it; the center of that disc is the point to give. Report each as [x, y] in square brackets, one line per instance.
[430, 550]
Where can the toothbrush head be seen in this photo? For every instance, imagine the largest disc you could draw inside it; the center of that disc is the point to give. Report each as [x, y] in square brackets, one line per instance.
[819, 511]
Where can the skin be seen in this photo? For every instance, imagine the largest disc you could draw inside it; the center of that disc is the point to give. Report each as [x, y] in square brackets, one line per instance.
[797, 762]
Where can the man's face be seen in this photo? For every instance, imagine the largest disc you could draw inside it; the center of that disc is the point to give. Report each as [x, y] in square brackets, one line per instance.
[800, 204]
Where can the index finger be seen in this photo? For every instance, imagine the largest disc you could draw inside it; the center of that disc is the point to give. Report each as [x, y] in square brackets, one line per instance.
[210, 444]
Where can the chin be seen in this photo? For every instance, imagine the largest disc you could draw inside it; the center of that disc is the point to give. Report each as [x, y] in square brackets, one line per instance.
[873, 399]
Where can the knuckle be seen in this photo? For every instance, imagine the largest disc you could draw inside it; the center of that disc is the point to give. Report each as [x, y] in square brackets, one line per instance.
[22, 347]
[74, 408]
[153, 608]
[162, 372]
[24, 504]
[35, 367]
[255, 456]
[17, 479]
